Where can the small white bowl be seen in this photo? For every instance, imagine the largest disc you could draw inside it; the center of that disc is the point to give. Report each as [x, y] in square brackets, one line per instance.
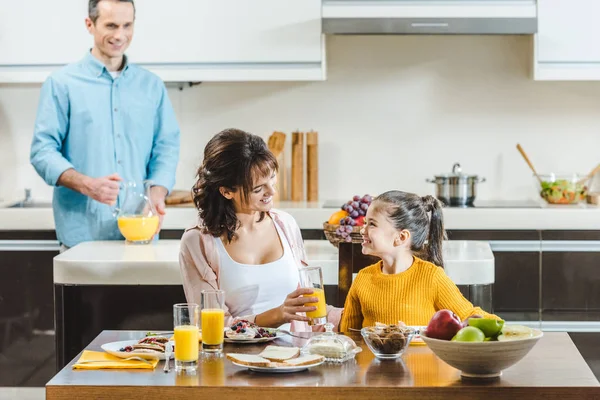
[482, 359]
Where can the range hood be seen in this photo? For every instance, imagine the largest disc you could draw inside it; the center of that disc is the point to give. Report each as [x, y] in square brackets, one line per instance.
[444, 17]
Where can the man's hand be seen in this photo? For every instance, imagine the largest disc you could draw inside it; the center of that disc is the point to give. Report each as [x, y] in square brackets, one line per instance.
[104, 190]
[157, 197]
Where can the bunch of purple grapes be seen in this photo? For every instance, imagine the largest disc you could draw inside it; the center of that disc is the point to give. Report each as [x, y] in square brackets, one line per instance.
[344, 231]
[357, 206]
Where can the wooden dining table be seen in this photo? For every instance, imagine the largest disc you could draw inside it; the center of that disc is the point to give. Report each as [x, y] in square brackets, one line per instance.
[553, 369]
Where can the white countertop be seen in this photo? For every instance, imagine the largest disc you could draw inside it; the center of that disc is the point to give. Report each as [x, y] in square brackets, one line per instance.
[312, 216]
[120, 263]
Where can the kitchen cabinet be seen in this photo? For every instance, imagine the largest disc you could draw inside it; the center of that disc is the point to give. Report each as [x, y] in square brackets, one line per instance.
[186, 40]
[516, 291]
[566, 43]
[27, 347]
[516, 294]
[570, 279]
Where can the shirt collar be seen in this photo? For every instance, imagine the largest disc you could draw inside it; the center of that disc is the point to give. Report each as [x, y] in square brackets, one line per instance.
[98, 68]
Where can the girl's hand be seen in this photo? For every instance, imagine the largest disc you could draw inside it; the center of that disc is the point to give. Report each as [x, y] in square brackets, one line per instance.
[294, 303]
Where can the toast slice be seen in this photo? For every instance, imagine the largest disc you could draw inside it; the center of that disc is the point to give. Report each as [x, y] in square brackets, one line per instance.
[279, 353]
[251, 360]
[308, 359]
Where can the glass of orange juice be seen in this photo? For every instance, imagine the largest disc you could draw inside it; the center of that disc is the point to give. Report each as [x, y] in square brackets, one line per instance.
[186, 318]
[312, 278]
[212, 320]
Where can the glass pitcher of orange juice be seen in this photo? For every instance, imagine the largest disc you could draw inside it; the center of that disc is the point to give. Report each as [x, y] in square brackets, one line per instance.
[312, 278]
[137, 217]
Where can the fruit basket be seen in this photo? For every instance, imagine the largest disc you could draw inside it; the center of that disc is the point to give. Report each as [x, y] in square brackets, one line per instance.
[345, 224]
[334, 238]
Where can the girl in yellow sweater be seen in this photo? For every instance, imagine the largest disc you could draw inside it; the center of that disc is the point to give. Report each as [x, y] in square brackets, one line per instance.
[408, 284]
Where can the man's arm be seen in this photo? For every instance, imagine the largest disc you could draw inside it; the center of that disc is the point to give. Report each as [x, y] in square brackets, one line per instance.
[49, 133]
[105, 189]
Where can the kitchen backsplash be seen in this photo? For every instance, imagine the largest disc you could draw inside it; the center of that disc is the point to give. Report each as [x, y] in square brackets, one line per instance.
[394, 111]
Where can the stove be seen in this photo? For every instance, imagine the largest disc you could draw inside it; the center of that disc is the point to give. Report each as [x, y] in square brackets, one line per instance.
[502, 204]
[477, 204]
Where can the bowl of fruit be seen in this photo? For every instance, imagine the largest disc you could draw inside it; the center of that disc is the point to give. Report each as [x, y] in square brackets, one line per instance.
[345, 224]
[478, 347]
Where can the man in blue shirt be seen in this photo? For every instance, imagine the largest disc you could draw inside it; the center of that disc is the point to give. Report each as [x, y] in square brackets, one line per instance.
[102, 121]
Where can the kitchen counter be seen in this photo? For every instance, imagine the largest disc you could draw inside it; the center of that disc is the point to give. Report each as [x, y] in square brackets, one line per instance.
[312, 215]
[120, 263]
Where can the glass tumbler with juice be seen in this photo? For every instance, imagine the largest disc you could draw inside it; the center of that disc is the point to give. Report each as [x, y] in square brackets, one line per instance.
[212, 320]
[312, 278]
[186, 318]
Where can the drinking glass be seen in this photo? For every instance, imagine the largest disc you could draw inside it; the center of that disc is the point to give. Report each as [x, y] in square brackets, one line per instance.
[212, 312]
[186, 332]
[312, 278]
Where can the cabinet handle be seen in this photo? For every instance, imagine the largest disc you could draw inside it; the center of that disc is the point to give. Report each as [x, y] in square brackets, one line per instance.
[29, 245]
[429, 24]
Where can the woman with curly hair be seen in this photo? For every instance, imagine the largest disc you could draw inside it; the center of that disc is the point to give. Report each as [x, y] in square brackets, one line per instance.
[242, 245]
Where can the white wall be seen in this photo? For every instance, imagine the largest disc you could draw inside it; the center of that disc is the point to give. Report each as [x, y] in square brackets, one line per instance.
[394, 111]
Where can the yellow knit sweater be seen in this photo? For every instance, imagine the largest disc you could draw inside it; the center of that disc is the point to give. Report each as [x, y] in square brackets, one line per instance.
[412, 296]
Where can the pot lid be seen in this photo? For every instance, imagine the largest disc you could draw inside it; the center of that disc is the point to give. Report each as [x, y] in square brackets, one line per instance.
[456, 173]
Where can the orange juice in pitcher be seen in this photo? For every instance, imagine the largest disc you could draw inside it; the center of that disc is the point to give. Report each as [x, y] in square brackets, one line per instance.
[138, 228]
[137, 218]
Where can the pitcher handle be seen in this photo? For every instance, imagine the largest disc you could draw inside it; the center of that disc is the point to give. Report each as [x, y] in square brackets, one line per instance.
[116, 210]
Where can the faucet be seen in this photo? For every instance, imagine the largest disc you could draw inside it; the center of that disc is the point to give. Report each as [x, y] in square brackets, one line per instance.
[27, 195]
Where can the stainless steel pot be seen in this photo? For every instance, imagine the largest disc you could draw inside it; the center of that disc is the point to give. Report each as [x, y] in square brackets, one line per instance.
[456, 189]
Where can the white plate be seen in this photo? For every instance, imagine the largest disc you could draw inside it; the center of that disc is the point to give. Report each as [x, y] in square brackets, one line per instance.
[113, 348]
[253, 340]
[417, 338]
[279, 370]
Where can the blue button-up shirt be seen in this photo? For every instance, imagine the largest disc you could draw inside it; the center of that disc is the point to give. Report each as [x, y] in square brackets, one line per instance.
[98, 125]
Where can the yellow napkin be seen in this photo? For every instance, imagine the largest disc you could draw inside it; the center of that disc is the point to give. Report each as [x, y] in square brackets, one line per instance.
[110, 361]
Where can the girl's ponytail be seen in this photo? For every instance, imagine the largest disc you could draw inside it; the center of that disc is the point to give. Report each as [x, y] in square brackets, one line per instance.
[437, 234]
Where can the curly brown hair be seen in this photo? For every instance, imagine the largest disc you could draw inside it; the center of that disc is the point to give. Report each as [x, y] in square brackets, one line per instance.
[234, 160]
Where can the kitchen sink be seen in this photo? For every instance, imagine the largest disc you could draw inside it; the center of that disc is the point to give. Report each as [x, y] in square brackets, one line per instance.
[32, 204]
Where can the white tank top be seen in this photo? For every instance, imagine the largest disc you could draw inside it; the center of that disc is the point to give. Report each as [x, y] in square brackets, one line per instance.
[254, 289]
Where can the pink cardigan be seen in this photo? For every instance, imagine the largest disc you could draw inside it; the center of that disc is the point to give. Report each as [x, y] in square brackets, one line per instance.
[199, 265]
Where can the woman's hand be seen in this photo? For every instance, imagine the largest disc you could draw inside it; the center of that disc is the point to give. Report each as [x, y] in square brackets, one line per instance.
[294, 303]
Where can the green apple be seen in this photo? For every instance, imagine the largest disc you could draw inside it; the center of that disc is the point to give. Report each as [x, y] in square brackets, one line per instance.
[490, 327]
[469, 334]
[515, 332]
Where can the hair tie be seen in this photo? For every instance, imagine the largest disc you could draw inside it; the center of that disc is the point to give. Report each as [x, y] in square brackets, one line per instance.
[428, 203]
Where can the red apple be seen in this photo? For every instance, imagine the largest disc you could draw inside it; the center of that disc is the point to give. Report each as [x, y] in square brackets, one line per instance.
[443, 325]
[360, 221]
